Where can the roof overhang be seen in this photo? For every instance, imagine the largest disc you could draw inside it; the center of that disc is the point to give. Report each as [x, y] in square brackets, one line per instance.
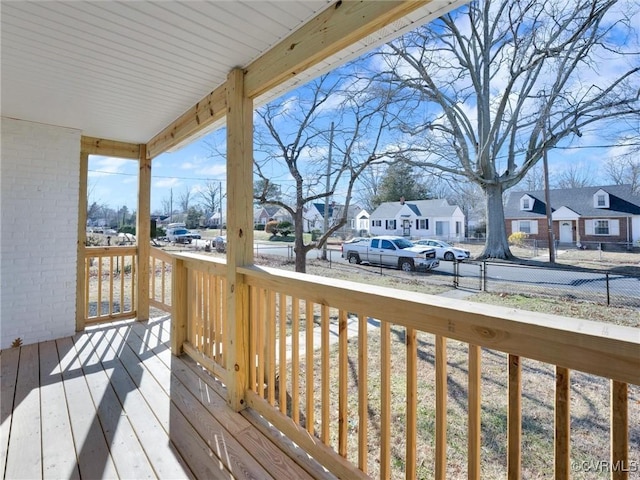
[154, 72]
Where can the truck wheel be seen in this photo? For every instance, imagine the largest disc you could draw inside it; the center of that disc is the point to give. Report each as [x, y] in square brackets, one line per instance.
[406, 265]
[449, 256]
[354, 258]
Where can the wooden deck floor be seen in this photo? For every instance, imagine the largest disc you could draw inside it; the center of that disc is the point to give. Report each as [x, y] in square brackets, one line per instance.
[113, 402]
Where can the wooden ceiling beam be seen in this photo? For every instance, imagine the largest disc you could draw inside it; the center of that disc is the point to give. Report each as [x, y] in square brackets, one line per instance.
[109, 148]
[340, 25]
[210, 109]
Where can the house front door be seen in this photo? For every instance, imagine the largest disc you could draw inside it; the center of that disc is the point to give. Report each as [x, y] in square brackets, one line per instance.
[566, 232]
[406, 228]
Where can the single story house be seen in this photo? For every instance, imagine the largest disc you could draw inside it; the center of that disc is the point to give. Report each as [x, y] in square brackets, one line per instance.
[418, 219]
[600, 214]
[265, 213]
[357, 218]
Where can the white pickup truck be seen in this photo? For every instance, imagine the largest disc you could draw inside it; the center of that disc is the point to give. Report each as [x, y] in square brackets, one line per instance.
[390, 251]
[178, 233]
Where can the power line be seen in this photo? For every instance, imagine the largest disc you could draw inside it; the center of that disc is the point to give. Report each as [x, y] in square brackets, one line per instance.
[158, 176]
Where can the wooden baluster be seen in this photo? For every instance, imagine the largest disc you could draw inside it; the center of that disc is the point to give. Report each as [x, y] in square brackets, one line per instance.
[619, 431]
[562, 424]
[412, 417]
[475, 397]
[514, 428]
[342, 384]
[363, 397]
[385, 400]
[282, 368]
[441, 408]
[308, 360]
[324, 342]
[295, 360]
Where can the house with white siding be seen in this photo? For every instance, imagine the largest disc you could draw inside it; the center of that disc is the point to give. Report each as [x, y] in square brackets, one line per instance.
[418, 219]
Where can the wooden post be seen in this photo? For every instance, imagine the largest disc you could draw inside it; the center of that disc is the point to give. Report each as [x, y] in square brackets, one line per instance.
[239, 232]
[143, 234]
[179, 307]
[82, 239]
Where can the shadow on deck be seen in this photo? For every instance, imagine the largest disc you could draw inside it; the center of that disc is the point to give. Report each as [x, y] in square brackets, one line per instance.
[112, 402]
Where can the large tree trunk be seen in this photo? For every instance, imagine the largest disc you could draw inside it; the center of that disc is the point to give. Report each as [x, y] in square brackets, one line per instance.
[496, 245]
[299, 248]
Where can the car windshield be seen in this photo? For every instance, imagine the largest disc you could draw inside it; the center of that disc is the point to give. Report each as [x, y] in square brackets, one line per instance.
[180, 232]
[402, 243]
[443, 244]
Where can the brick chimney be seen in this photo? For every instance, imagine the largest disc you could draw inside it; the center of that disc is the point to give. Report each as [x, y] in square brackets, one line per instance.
[402, 200]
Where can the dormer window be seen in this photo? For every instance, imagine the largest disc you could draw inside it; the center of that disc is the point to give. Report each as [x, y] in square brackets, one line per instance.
[526, 203]
[601, 199]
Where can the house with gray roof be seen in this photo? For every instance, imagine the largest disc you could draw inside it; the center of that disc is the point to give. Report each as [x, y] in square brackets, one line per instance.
[418, 219]
[580, 216]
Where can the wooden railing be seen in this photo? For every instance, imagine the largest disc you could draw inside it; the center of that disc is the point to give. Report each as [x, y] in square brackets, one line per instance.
[110, 283]
[161, 264]
[397, 384]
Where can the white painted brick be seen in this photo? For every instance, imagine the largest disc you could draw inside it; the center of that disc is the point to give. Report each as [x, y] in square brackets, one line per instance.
[39, 197]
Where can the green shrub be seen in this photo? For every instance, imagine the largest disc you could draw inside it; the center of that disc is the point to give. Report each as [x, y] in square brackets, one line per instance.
[259, 226]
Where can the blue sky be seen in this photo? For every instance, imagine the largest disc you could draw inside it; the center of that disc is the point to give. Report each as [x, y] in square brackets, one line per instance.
[114, 181]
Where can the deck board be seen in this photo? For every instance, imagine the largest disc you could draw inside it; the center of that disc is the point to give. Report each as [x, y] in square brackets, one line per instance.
[24, 458]
[8, 376]
[58, 453]
[113, 402]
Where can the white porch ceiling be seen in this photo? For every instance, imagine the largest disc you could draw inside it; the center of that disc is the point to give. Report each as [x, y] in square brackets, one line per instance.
[125, 70]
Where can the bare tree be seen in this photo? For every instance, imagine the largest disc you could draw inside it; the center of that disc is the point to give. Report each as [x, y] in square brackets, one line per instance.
[292, 145]
[502, 81]
[185, 199]
[575, 176]
[211, 197]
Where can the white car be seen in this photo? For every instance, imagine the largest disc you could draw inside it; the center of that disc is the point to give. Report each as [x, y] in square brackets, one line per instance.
[445, 251]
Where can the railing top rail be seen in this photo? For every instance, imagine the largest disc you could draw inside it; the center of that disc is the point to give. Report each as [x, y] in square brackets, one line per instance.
[160, 254]
[112, 250]
[603, 349]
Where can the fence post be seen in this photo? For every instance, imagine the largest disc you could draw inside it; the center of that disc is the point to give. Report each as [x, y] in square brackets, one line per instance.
[456, 271]
[608, 292]
[484, 276]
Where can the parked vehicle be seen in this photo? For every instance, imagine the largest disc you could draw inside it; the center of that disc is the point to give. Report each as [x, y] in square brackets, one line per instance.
[195, 234]
[445, 251]
[391, 251]
[177, 232]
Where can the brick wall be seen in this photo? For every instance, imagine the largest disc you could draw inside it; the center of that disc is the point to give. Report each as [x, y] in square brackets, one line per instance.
[39, 174]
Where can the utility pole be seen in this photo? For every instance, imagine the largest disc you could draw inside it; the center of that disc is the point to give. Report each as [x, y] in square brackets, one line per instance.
[547, 197]
[327, 202]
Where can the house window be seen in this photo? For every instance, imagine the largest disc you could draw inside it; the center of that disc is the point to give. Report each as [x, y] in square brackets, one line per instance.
[376, 223]
[601, 227]
[525, 226]
[602, 201]
[423, 224]
[390, 224]
[525, 204]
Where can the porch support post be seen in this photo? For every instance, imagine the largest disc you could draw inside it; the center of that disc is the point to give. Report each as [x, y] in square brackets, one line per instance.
[82, 239]
[143, 234]
[239, 232]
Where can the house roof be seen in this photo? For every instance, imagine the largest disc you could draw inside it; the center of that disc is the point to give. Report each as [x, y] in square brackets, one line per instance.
[622, 202]
[126, 70]
[420, 208]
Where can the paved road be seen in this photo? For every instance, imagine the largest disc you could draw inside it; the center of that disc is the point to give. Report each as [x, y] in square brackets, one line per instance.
[581, 284]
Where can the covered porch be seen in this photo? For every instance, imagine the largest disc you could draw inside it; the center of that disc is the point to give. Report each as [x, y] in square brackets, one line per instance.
[135, 387]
